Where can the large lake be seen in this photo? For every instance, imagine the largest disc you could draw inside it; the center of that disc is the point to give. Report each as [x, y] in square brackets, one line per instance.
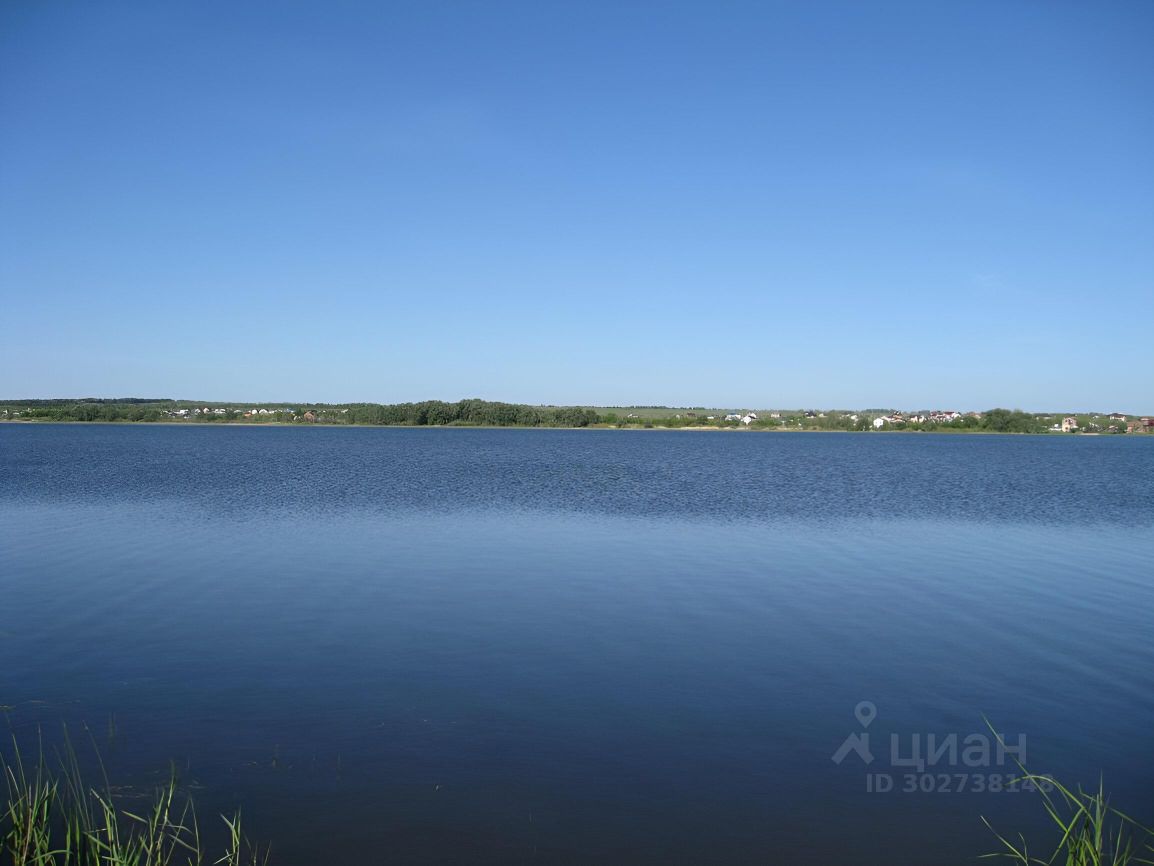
[544, 646]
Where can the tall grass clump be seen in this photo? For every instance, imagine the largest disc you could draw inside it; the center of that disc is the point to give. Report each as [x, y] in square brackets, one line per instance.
[53, 818]
[1090, 831]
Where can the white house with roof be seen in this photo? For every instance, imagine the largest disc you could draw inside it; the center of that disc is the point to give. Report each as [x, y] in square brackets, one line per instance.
[895, 418]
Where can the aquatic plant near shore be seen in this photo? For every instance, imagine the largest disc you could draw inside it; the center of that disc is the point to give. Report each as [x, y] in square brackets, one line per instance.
[1090, 831]
[55, 819]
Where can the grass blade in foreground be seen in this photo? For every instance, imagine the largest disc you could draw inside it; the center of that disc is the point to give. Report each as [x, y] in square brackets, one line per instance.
[56, 820]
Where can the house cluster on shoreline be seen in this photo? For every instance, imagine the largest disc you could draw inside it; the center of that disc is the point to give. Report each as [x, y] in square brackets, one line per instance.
[219, 410]
[1132, 425]
[934, 417]
[1115, 422]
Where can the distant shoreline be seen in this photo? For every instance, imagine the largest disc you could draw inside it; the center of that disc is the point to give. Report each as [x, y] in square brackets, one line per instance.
[634, 428]
[489, 414]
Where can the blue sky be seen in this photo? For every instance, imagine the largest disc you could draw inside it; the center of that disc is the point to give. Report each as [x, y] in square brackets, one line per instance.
[904, 204]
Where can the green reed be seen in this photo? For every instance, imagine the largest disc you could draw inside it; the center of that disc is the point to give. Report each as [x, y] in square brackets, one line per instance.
[1089, 831]
[53, 818]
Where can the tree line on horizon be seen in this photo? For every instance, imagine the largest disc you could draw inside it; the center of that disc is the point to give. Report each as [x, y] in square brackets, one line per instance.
[475, 412]
[428, 413]
[470, 413]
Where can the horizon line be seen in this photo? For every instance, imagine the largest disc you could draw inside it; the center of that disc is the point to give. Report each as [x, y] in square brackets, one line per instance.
[690, 407]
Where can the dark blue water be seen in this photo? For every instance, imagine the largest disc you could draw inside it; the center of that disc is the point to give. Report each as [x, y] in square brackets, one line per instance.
[469, 646]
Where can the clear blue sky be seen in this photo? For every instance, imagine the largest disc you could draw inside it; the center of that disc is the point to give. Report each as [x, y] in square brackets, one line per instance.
[809, 203]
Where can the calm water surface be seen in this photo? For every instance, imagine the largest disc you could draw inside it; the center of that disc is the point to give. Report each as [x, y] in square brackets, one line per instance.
[517, 646]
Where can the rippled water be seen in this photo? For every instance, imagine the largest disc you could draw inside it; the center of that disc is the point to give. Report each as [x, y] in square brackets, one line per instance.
[507, 646]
